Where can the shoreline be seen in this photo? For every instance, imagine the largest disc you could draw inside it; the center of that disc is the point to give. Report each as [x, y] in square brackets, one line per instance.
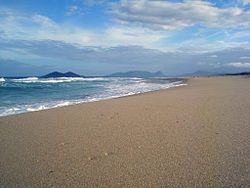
[183, 80]
[192, 136]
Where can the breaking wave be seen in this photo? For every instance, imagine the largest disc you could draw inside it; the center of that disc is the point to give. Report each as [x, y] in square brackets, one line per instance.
[2, 80]
[54, 80]
[34, 94]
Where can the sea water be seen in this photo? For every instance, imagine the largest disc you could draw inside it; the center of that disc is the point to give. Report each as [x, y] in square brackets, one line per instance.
[33, 94]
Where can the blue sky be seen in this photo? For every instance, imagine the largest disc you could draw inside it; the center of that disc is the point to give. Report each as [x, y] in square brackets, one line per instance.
[99, 37]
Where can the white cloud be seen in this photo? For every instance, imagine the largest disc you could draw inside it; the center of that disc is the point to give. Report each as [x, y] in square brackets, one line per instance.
[121, 57]
[39, 27]
[159, 14]
[93, 2]
[71, 10]
[244, 57]
[239, 65]
[245, 2]
[43, 20]
[75, 10]
[213, 56]
[132, 35]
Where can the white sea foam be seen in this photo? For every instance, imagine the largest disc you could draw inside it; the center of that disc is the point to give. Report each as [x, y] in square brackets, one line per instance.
[2, 80]
[25, 80]
[68, 79]
[35, 107]
[95, 79]
[55, 80]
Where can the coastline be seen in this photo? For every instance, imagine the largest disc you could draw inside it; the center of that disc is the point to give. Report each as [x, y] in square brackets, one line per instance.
[197, 135]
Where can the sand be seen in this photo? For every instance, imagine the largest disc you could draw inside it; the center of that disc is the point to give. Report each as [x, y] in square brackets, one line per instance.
[191, 136]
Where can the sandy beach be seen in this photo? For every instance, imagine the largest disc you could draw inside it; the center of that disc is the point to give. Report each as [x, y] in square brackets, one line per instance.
[190, 136]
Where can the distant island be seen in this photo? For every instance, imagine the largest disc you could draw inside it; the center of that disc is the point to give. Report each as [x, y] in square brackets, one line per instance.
[199, 73]
[206, 73]
[60, 74]
[237, 74]
[140, 74]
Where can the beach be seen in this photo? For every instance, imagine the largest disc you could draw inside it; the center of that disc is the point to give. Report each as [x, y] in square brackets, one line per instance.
[196, 135]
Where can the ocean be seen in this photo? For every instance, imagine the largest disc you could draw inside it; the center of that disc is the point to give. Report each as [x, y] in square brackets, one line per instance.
[33, 94]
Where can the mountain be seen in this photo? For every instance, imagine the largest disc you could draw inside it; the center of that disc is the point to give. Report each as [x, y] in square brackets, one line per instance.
[238, 74]
[199, 73]
[215, 73]
[60, 74]
[141, 74]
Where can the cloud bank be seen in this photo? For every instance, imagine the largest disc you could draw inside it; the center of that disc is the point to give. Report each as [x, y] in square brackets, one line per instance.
[171, 15]
[101, 61]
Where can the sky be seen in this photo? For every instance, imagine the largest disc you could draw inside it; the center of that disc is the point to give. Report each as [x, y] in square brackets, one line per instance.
[99, 37]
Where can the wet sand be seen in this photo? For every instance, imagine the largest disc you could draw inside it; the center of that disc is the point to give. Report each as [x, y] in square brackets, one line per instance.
[191, 136]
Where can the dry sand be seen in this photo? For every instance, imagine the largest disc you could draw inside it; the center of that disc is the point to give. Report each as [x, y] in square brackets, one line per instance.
[191, 136]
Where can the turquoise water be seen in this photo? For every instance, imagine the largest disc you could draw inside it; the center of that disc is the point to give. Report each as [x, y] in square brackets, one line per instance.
[33, 94]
